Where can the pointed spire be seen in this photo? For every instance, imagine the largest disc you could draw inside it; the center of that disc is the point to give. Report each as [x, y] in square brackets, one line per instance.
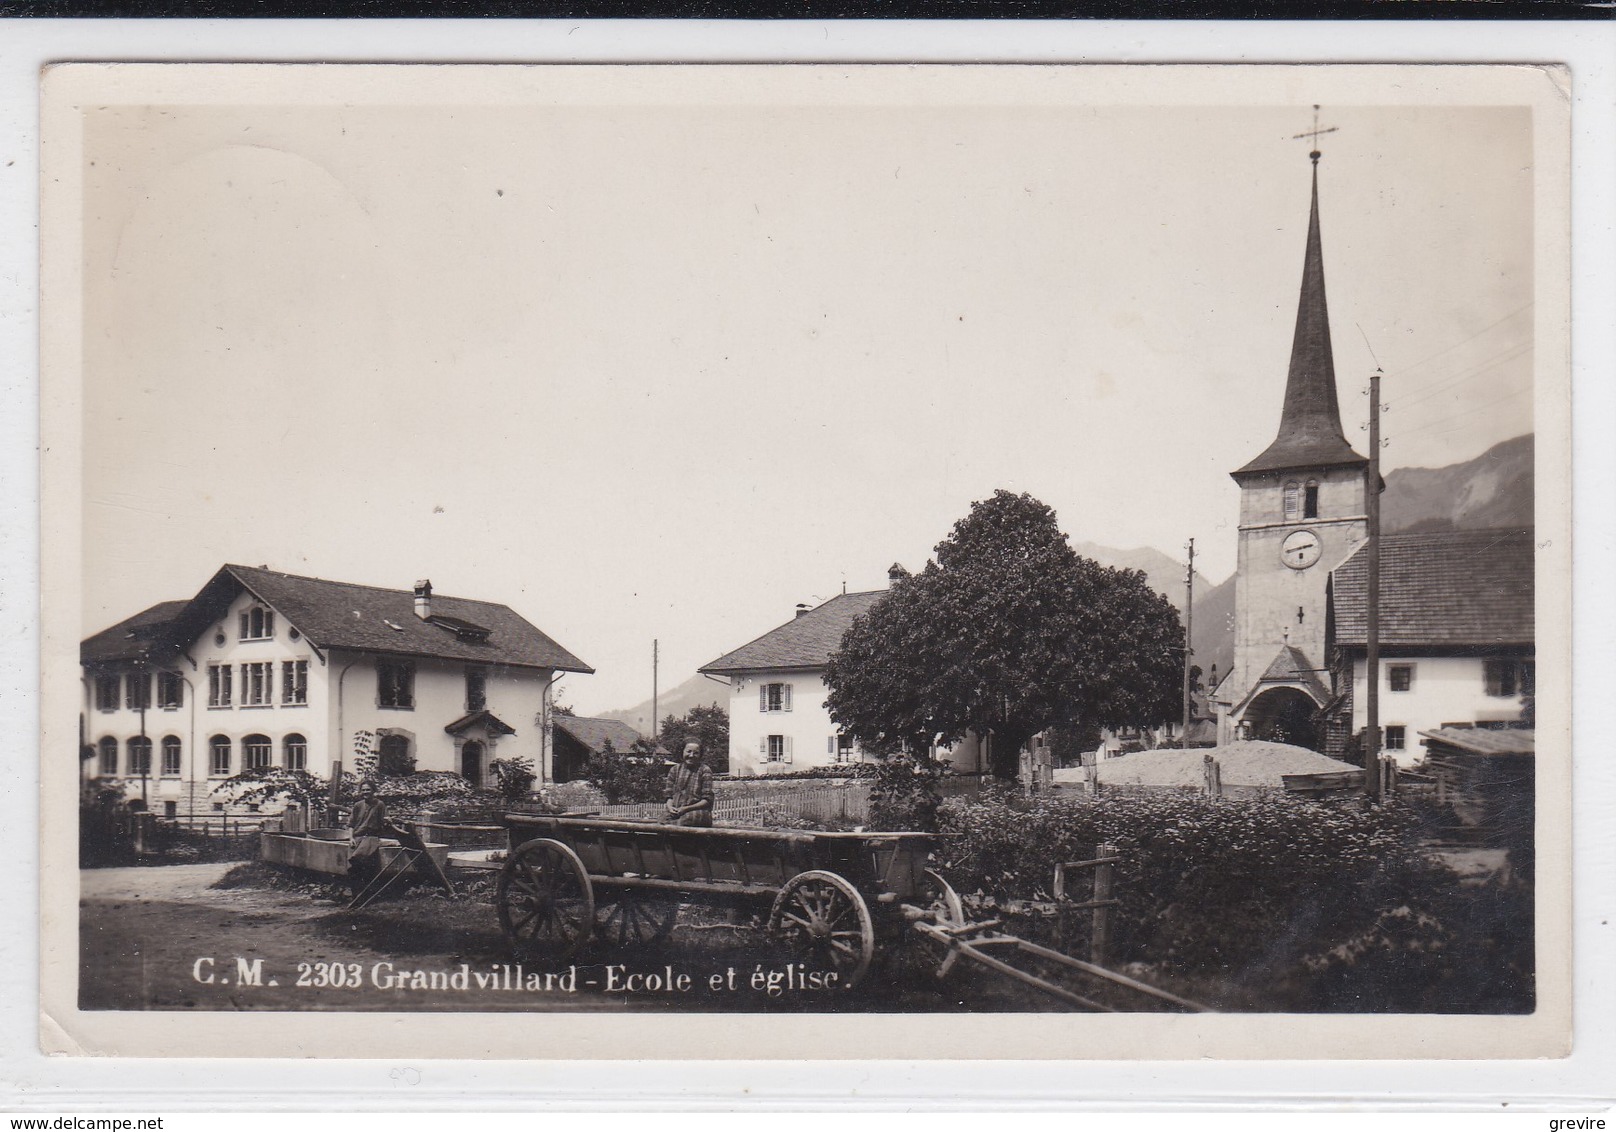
[1310, 424]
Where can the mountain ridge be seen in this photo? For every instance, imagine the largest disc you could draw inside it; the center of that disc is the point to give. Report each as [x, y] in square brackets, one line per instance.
[1494, 489]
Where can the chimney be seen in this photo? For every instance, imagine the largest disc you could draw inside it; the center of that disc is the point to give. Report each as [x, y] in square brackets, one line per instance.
[894, 573]
[802, 609]
[423, 598]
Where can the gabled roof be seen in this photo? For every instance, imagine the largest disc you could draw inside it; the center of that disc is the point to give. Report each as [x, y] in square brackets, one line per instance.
[593, 733]
[483, 718]
[133, 637]
[370, 619]
[1462, 588]
[1289, 666]
[1310, 424]
[805, 641]
[1485, 741]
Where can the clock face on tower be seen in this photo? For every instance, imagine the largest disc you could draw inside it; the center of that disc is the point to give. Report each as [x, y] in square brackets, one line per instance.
[1299, 550]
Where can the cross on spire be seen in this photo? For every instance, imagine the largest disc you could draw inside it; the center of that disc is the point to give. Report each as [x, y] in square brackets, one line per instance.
[1314, 134]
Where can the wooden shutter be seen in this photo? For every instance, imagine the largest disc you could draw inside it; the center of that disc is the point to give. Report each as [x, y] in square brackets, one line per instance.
[830, 744]
[1493, 677]
[785, 755]
[763, 698]
[785, 697]
[763, 748]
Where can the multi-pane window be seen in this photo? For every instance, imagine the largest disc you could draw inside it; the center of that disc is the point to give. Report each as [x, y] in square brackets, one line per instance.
[776, 748]
[1396, 737]
[294, 681]
[395, 684]
[257, 623]
[476, 691]
[219, 685]
[257, 683]
[171, 756]
[170, 690]
[844, 749]
[297, 752]
[106, 693]
[1400, 677]
[219, 756]
[109, 755]
[257, 753]
[774, 697]
[139, 755]
[137, 691]
[1510, 677]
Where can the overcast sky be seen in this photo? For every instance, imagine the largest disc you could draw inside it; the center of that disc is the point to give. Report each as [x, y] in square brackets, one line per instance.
[651, 371]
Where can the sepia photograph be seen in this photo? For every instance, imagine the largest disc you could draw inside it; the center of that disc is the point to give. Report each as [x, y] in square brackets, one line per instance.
[848, 544]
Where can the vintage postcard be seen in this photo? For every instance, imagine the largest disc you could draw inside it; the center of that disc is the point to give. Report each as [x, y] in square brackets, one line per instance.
[806, 561]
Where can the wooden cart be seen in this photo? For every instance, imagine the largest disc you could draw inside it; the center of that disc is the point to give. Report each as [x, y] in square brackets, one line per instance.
[832, 898]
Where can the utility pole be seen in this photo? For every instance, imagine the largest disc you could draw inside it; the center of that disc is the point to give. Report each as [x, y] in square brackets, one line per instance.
[1189, 649]
[1372, 783]
[656, 651]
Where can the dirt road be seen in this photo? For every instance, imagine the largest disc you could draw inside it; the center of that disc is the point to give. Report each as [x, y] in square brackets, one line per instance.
[165, 939]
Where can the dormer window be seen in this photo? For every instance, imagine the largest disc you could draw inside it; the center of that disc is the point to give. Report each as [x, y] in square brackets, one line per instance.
[1292, 491]
[1310, 500]
[467, 631]
[257, 624]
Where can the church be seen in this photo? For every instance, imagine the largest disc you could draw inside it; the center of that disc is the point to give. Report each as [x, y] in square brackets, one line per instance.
[1455, 606]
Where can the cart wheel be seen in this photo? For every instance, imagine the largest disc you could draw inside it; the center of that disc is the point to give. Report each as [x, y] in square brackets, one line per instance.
[632, 919]
[546, 905]
[822, 919]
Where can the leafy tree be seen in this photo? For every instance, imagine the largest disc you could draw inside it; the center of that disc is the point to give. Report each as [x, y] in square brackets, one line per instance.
[709, 724]
[1005, 633]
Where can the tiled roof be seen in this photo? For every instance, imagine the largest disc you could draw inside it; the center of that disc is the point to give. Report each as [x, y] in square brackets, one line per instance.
[133, 637]
[1485, 741]
[348, 616]
[593, 733]
[1447, 588]
[1310, 424]
[483, 718]
[1290, 666]
[370, 619]
[803, 642]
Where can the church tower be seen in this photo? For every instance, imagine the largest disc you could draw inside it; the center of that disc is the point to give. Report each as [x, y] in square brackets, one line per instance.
[1302, 512]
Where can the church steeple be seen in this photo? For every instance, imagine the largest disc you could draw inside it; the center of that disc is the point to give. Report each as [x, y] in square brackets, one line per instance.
[1310, 424]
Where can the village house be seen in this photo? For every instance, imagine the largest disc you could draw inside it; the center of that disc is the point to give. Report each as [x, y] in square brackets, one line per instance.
[263, 669]
[778, 721]
[1456, 638]
[578, 737]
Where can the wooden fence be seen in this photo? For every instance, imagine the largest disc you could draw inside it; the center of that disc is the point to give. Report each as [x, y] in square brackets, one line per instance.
[821, 802]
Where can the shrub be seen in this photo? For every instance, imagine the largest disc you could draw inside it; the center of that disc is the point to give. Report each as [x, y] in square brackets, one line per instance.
[904, 794]
[513, 778]
[274, 785]
[1207, 886]
[626, 778]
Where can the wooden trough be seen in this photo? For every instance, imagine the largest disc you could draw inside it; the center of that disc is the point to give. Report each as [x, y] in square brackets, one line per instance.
[326, 851]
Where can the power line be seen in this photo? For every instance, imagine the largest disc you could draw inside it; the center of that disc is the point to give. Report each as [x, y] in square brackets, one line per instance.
[1462, 376]
[1470, 338]
[1465, 413]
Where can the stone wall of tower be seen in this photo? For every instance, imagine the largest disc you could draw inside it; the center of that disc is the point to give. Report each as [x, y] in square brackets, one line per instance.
[1269, 594]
